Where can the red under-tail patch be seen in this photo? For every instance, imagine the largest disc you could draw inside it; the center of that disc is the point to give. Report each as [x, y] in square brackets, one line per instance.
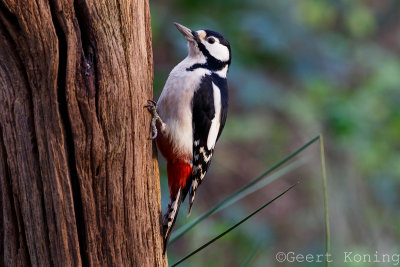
[178, 168]
[178, 173]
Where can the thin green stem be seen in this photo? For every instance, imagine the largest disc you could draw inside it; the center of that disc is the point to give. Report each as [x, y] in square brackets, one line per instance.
[231, 228]
[251, 255]
[325, 192]
[181, 231]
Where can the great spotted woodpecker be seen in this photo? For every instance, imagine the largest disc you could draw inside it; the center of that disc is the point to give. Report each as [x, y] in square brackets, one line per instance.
[190, 115]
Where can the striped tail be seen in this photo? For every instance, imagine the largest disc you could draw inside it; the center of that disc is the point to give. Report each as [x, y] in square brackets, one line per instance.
[202, 159]
[170, 217]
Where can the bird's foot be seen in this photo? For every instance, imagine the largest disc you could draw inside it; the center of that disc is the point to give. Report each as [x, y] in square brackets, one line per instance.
[152, 108]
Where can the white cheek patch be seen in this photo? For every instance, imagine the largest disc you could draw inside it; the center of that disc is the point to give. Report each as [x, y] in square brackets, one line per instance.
[217, 50]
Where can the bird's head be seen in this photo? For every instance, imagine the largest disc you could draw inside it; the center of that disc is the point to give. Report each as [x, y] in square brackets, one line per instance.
[209, 46]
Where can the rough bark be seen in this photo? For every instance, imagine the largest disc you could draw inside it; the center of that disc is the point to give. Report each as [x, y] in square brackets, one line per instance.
[78, 177]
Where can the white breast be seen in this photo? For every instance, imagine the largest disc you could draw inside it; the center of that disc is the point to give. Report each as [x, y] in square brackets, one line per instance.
[174, 104]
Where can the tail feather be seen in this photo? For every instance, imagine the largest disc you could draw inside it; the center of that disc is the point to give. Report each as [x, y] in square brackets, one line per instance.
[170, 217]
[192, 194]
[202, 160]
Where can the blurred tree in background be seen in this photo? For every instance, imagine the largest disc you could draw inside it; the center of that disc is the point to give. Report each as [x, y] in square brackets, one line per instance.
[299, 68]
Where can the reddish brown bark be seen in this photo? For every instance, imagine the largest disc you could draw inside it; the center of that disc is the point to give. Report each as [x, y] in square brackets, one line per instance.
[79, 180]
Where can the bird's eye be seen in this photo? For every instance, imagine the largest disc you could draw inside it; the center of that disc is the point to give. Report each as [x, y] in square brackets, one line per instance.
[211, 40]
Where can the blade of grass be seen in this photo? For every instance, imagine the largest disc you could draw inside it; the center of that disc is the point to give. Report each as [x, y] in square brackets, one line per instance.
[325, 193]
[262, 183]
[181, 231]
[251, 255]
[232, 227]
[236, 197]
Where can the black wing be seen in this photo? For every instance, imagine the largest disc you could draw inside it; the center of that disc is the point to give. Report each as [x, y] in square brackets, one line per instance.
[223, 88]
[203, 112]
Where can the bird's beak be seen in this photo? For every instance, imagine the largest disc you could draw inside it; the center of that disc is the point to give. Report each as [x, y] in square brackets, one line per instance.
[189, 35]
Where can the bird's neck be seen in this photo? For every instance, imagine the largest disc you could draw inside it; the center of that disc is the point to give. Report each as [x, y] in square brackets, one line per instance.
[222, 73]
[194, 62]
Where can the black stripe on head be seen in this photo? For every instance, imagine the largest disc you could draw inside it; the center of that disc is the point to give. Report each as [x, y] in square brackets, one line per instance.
[221, 38]
[196, 36]
[212, 63]
[222, 41]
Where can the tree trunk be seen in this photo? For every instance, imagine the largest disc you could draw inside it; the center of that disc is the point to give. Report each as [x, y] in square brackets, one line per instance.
[79, 179]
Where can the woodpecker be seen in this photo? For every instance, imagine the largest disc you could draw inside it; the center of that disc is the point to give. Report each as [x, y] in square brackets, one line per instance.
[190, 115]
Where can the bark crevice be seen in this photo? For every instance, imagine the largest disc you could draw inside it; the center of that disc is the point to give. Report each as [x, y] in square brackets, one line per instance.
[83, 17]
[11, 211]
[88, 43]
[68, 134]
[79, 186]
[12, 20]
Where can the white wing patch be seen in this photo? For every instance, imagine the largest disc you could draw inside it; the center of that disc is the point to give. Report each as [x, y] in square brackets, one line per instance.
[215, 123]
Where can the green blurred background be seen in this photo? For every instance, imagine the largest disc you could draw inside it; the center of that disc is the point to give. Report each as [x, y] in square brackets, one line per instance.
[300, 68]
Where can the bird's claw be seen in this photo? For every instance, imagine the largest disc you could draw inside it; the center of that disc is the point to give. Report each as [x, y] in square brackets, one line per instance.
[152, 102]
[153, 137]
[152, 108]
